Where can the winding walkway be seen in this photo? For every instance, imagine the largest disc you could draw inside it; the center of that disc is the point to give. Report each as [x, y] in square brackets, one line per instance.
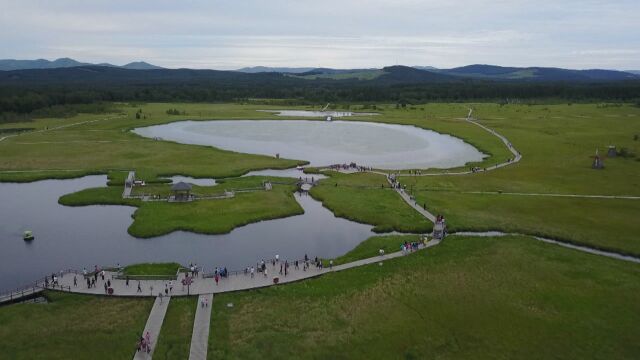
[236, 282]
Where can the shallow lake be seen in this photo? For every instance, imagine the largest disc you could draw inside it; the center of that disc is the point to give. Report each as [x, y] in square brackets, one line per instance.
[383, 146]
[77, 237]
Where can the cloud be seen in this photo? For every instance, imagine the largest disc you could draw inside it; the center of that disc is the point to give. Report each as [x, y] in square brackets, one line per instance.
[336, 33]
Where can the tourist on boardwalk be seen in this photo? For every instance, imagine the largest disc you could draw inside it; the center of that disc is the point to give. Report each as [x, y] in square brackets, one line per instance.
[88, 283]
[264, 271]
[166, 290]
[127, 282]
[170, 287]
[147, 338]
[330, 264]
[252, 272]
[139, 288]
[217, 278]
[105, 288]
[108, 283]
[75, 281]
[160, 296]
[102, 275]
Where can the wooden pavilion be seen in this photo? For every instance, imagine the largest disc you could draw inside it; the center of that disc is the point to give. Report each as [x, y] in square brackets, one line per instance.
[181, 191]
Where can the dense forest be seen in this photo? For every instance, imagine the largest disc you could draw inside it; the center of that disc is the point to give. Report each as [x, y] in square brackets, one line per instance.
[55, 92]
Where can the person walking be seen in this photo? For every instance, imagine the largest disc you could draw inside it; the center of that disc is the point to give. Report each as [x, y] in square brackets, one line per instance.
[217, 278]
[139, 288]
[252, 272]
[170, 287]
[127, 282]
[105, 288]
[160, 296]
[330, 264]
[75, 281]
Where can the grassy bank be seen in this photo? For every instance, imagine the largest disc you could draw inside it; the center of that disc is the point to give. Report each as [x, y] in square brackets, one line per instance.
[466, 298]
[371, 247]
[362, 198]
[73, 327]
[160, 269]
[159, 218]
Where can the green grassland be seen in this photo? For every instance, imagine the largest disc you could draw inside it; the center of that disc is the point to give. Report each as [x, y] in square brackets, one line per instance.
[599, 223]
[479, 298]
[175, 338]
[73, 326]
[557, 143]
[362, 198]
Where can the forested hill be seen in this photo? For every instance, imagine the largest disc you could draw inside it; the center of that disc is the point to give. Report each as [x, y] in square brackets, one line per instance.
[23, 91]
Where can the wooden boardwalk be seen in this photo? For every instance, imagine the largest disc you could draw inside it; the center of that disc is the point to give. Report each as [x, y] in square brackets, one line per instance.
[201, 324]
[20, 294]
[153, 326]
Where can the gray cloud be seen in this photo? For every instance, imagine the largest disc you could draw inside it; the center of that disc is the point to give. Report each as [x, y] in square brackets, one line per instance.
[348, 33]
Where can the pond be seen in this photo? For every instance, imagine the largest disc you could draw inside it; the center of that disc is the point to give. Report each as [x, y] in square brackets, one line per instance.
[322, 143]
[77, 237]
[195, 181]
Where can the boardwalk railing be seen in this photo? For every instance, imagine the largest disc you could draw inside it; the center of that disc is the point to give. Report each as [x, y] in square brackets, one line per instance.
[31, 290]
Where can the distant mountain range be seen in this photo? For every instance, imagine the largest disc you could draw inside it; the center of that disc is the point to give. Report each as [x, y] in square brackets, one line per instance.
[488, 72]
[390, 74]
[11, 64]
[288, 70]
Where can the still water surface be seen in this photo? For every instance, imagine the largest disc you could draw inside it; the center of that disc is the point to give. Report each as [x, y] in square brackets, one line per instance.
[383, 146]
[77, 237]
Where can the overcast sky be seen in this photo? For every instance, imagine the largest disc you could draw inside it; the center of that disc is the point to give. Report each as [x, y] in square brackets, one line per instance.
[228, 34]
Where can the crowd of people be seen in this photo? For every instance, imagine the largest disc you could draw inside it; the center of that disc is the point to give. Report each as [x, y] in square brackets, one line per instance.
[144, 343]
[350, 167]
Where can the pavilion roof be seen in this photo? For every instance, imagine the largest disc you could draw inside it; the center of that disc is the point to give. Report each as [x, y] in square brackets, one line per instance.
[181, 186]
